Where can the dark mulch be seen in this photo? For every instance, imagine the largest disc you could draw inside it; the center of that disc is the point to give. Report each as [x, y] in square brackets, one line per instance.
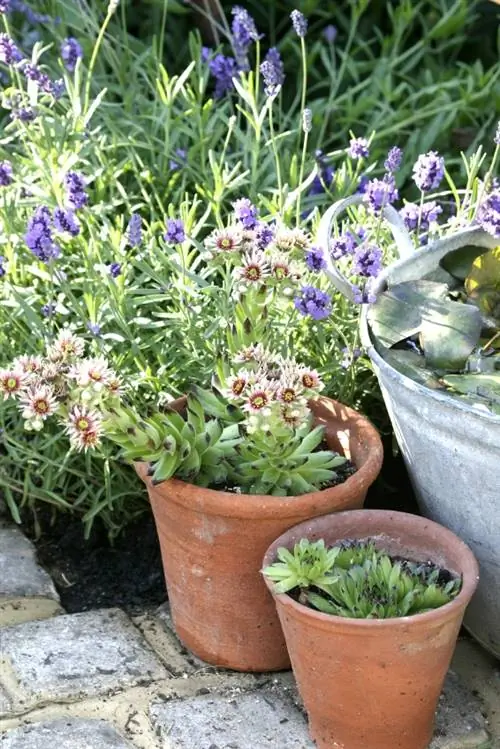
[93, 574]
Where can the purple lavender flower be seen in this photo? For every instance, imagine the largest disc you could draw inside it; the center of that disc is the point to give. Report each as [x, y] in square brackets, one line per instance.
[34, 73]
[245, 212]
[315, 259]
[75, 190]
[134, 230]
[58, 88]
[299, 23]
[313, 302]
[362, 184]
[65, 221]
[322, 181]
[272, 71]
[94, 328]
[5, 6]
[206, 53]
[223, 69]
[244, 33]
[381, 192]
[181, 156]
[488, 214]
[330, 33]
[6, 174]
[264, 235]
[393, 160]
[71, 52]
[9, 53]
[358, 148]
[115, 270]
[2, 267]
[342, 246]
[39, 236]
[367, 260]
[364, 295]
[32, 16]
[175, 233]
[48, 309]
[428, 171]
[24, 114]
[413, 216]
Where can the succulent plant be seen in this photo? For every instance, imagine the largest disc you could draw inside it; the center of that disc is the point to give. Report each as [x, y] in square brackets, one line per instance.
[186, 446]
[359, 581]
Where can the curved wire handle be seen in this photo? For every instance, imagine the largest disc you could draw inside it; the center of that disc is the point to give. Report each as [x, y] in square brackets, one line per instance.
[401, 236]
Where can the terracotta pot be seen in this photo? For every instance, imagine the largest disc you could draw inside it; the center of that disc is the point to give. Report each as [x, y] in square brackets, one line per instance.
[212, 545]
[375, 682]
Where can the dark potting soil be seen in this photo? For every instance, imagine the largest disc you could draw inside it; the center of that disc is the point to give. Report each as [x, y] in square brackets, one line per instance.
[128, 573]
[94, 573]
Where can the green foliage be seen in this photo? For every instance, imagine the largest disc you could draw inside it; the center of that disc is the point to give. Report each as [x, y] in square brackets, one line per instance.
[139, 95]
[187, 446]
[280, 463]
[359, 581]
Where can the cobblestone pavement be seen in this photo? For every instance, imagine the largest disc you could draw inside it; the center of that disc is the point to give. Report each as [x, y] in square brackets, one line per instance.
[101, 680]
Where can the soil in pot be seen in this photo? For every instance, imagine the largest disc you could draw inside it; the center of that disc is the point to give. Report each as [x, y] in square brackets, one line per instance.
[366, 682]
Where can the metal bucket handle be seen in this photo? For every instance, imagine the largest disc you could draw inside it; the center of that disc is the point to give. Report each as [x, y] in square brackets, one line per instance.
[404, 243]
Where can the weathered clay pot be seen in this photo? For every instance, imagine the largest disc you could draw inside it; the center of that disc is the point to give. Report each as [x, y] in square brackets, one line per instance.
[375, 683]
[212, 545]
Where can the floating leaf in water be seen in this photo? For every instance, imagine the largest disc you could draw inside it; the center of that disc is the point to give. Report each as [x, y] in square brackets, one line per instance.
[449, 333]
[397, 313]
[485, 386]
[412, 365]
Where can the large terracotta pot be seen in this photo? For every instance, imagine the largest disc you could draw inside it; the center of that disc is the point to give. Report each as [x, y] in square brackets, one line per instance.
[212, 545]
[375, 683]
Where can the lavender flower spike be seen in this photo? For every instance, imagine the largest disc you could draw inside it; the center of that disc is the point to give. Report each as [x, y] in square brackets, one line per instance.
[6, 177]
[299, 23]
[71, 52]
[244, 33]
[313, 302]
[393, 160]
[272, 72]
[245, 212]
[9, 53]
[358, 148]
[428, 171]
[134, 230]
[175, 233]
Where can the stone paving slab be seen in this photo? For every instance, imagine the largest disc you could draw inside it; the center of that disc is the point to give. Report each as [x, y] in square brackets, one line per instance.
[270, 718]
[460, 723]
[159, 632]
[20, 574]
[253, 720]
[74, 656]
[65, 734]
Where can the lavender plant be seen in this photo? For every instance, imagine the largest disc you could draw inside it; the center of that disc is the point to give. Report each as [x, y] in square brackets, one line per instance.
[118, 164]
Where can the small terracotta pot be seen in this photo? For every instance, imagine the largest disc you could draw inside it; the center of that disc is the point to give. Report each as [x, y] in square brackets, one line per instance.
[375, 682]
[212, 544]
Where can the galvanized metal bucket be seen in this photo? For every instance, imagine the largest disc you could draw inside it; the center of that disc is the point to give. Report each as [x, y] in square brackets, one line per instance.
[451, 449]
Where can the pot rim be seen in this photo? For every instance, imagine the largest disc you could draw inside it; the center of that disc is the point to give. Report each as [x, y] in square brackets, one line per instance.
[470, 578]
[260, 506]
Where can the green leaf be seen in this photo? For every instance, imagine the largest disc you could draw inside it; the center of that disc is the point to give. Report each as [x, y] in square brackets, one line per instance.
[397, 313]
[485, 386]
[449, 333]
